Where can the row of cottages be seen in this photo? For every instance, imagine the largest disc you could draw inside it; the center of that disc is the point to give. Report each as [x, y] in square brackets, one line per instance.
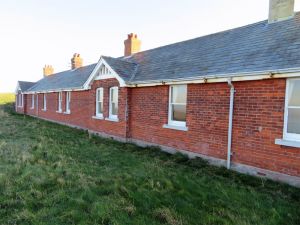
[232, 97]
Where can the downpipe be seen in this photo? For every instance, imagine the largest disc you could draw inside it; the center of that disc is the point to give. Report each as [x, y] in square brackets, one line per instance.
[232, 91]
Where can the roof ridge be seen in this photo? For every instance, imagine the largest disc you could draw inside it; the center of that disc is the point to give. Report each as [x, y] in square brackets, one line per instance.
[120, 59]
[207, 35]
[134, 72]
[33, 85]
[26, 81]
[55, 74]
[69, 70]
[204, 36]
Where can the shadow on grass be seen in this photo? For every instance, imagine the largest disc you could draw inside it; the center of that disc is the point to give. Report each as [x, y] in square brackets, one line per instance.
[202, 166]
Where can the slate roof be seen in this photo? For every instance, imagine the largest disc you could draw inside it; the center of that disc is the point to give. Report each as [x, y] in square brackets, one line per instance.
[64, 80]
[256, 47]
[25, 85]
[123, 68]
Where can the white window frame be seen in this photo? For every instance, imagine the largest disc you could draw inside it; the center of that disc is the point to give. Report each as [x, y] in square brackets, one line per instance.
[99, 91]
[172, 122]
[68, 102]
[20, 100]
[59, 102]
[286, 135]
[111, 116]
[37, 102]
[45, 102]
[32, 101]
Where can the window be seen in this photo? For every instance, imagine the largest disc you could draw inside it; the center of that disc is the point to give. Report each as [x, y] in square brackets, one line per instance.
[45, 102]
[32, 101]
[20, 100]
[37, 101]
[292, 110]
[177, 105]
[99, 102]
[113, 103]
[68, 100]
[59, 101]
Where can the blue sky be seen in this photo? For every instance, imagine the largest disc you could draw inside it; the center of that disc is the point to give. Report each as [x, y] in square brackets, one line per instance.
[34, 33]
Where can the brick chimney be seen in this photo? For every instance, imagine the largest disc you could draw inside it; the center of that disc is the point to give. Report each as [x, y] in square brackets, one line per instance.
[281, 10]
[76, 61]
[132, 45]
[48, 70]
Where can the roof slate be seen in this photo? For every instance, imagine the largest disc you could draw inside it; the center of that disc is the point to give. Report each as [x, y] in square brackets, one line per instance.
[256, 47]
[123, 68]
[25, 85]
[70, 79]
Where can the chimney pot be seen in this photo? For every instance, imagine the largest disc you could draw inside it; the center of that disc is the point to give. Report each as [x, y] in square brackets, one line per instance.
[48, 70]
[132, 44]
[76, 61]
[281, 10]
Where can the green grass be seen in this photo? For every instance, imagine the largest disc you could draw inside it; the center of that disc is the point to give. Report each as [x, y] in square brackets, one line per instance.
[52, 174]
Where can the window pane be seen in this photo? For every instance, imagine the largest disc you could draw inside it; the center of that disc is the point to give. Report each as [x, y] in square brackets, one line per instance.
[179, 112]
[45, 101]
[101, 95]
[100, 107]
[114, 95]
[114, 108]
[179, 94]
[98, 95]
[114, 101]
[111, 94]
[294, 93]
[293, 121]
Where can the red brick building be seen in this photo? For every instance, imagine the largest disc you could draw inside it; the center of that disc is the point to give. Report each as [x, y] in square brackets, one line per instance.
[232, 98]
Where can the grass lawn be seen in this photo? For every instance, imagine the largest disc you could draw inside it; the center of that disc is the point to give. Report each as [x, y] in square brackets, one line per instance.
[52, 174]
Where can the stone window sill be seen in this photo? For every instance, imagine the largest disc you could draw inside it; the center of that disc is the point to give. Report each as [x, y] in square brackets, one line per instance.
[44, 110]
[112, 119]
[175, 127]
[287, 143]
[67, 113]
[98, 117]
[59, 111]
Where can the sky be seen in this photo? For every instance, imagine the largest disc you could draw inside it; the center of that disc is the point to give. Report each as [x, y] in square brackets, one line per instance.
[34, 32]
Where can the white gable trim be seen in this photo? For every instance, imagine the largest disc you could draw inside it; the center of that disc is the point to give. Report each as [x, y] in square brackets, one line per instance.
[18, 88]
[264, 75]
[94, 75]
[54, 90]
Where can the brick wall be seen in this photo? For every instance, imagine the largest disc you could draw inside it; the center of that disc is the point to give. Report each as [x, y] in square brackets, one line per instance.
[82, 108]
[207, 118]
[257, 122]
[20, 109]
